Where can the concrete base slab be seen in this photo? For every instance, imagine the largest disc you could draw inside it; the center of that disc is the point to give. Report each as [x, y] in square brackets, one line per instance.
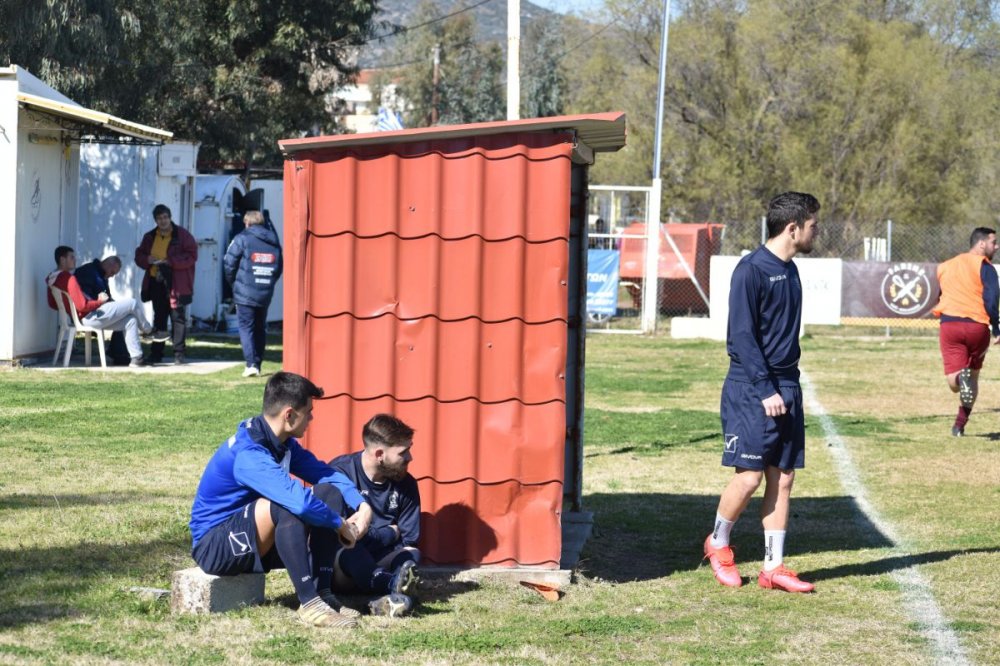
[194, 591]
[192, 367]
[559, 577]
[576, 529]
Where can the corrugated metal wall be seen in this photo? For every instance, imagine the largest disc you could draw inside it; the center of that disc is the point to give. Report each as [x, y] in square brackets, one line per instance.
[435, 287]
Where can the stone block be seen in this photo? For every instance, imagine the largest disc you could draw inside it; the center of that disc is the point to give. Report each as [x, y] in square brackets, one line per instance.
[194, 591]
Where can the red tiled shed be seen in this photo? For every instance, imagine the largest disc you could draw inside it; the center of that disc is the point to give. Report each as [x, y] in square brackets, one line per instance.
[439, 274]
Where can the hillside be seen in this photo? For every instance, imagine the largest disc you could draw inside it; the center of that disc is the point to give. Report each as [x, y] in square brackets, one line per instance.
[490, 17]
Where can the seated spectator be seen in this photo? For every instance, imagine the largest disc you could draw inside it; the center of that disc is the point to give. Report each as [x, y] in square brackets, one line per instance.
[385, 558]
[250, 515]
[97, 310]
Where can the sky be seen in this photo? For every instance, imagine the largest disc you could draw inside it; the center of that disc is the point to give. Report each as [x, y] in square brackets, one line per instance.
[565, 6]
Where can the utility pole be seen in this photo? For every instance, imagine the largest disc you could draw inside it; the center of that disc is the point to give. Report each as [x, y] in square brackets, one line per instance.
[513, 59]
[435, 97]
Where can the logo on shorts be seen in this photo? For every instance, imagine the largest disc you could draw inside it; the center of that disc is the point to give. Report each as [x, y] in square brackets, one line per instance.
[750, 456]
[906, 289]
[239, 542]
[731, 441]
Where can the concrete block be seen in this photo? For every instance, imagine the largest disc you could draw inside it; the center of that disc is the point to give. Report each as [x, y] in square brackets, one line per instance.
[194, 591]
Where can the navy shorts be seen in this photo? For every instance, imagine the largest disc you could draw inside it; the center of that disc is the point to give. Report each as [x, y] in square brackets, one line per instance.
[753, 440]
[230, 548]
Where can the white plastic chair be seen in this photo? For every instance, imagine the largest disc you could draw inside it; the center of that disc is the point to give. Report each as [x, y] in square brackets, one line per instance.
[69, 326]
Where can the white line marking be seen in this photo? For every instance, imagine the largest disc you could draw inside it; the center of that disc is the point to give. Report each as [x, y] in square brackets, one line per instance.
[917, 595]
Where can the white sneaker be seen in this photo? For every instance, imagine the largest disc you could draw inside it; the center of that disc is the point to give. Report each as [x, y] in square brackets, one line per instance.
[251, 371]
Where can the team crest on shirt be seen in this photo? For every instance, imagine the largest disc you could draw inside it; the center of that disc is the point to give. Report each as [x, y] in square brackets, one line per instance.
[906, 288]
[394, 500]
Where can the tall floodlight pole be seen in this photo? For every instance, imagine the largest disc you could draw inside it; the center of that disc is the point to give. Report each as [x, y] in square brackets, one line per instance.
[650, 294]
[513, 59]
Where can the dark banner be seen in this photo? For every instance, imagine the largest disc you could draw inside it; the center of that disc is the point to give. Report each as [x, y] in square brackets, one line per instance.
[887, 289]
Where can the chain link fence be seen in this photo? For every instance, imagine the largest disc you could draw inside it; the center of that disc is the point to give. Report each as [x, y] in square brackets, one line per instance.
[619, 261]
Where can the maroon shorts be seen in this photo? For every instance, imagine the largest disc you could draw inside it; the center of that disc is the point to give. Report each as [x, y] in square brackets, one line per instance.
[963, 345]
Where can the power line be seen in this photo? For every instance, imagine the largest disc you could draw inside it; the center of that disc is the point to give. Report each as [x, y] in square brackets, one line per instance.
[405, 28]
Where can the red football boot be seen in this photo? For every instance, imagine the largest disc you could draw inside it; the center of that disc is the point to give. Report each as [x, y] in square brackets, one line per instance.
[783, 579]
[723, 564]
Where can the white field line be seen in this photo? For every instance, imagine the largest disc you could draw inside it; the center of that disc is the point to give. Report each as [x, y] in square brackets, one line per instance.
[917, 596]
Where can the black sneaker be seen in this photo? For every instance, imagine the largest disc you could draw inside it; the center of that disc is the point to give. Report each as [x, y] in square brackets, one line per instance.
[404, 579]
[965, 393]
[138, 362]
[957, 432]
[391, 605]
[179, 359]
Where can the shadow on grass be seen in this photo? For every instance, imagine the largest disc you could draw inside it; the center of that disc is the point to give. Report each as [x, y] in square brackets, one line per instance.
[890, 564]
[56, 501]
[651, 535]
[41, 584]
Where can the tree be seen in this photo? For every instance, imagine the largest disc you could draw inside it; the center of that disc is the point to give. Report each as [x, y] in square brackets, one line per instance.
[236, 76]
[881, 109]
[543, 76]
[466, 87]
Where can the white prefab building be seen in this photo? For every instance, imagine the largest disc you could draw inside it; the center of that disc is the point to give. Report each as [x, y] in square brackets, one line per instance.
[41, 132]
[119, 187]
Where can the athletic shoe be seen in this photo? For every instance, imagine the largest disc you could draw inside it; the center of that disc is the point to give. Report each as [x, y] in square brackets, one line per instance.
[965, 394]
[404, 579]
[179, 359]
[137, 362]
[251, 371]
[391, 605]
[336, 604]
[317, 614]
[957, 432]
[783, 579]
[723, 564]
[159, 336]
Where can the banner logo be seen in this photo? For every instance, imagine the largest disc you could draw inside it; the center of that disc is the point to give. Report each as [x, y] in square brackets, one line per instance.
[906, 289]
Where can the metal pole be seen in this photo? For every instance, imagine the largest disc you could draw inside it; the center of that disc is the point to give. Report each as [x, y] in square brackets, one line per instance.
[513, 59]
[763, 229]
[888, 241]
[650, 300]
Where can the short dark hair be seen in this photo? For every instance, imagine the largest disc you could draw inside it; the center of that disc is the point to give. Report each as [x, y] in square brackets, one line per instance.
[287, 389]
[113, 258]
[979, 234]
[62, 251]
[789, 207]
[160, 208]
[387, 430]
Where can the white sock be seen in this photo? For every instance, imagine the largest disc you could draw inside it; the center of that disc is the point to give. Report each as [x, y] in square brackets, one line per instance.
[774, 549]
[723, 528]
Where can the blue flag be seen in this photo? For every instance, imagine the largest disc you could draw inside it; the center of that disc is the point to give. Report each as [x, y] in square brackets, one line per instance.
[602, 281]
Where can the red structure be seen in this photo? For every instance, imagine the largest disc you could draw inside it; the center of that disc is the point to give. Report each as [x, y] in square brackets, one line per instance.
[438, 274]
[696, 243]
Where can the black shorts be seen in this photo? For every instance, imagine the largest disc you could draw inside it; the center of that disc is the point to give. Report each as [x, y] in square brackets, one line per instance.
[230, 548]
[753, 440]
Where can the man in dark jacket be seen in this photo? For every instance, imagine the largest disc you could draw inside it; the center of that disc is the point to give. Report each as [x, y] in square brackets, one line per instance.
[252, 266]
[384, 560]
[167, 254]
[94, 279]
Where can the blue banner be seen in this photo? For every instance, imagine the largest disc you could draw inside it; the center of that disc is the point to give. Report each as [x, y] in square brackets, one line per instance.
[602, 281]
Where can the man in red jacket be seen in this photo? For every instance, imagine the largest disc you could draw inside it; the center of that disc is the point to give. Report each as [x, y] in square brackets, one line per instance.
[167, 253]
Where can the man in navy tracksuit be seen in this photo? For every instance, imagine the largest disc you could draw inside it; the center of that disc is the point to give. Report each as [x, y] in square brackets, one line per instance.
[762, 421]
[250, 515]
[385, 558]
[252, 266]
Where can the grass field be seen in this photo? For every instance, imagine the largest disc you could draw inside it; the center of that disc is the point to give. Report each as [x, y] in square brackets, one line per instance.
[99, 471]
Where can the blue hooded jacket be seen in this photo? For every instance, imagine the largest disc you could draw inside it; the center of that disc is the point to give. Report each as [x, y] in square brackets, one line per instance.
[253, 464]
[253, 265]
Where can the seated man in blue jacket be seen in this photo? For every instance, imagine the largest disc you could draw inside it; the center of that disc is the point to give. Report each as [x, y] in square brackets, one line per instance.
[250, 515]
[384, 560]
